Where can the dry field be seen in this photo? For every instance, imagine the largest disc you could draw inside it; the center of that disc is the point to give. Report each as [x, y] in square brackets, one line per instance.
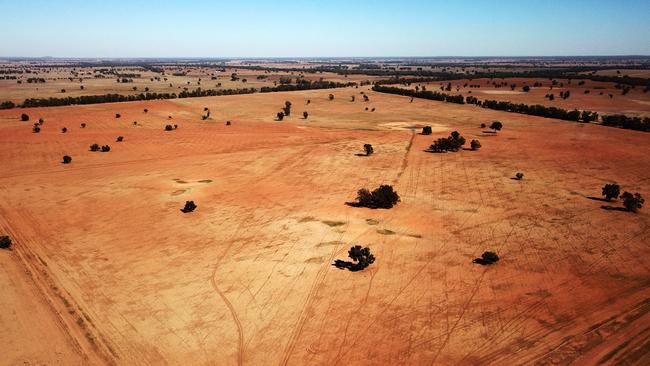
[634, 103]
[106, 269]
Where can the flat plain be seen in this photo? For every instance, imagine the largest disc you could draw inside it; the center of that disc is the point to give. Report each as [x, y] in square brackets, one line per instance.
[108, 270]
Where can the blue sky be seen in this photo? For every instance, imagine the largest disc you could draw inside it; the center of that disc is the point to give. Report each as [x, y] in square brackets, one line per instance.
[255, 28]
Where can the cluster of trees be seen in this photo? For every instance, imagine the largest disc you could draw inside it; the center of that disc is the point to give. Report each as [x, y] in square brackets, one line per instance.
[540, 110]
[630, 123]
[632, 201]
[306, 85]
[103, 148]
[452, 143]
[382, 197]
[424, 94]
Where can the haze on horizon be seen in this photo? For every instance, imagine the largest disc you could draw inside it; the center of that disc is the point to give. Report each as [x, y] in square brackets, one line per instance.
[336, 28]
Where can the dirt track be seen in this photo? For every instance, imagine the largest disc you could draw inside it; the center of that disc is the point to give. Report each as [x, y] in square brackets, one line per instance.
[247, 278]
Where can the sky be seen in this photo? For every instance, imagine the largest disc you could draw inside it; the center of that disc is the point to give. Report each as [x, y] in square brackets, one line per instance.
[334, 28]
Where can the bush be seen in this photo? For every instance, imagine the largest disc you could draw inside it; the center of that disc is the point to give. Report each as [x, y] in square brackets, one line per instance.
[64, 130]
[5, 242]
[368, 149]
[487, 258]
[426, 130]
[106, 148]
[611, 191]
[189, 207]
[632, 202]
[24, 117]
[496, 126]
[382, 197]
[475, 144]
[119, 139]
[169, 127]
[94, 147]
[305, 115]
[519, 176]
[66, 159]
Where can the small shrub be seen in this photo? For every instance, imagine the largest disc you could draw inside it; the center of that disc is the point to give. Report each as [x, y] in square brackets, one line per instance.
[382, 197]
[36, 128]
[176, 127]
[483, 125]
[519, 176]
[227, 123]
[83, 125]
[475, 145]
[372, 110]
[41, 121]
[5, 242]
[95, 147]
[632, 202]
[24, 117]
[117, 115]
[426, 130]
[280, 116]
[135, 123]
[106, 148]
[189, 206]
[146, 110]
[611, 191]
[119, 139]
[169, 127]
[330, 97]
[361, 259]
[64, 130]
[308, 101]
[67, 159]
[368, 149]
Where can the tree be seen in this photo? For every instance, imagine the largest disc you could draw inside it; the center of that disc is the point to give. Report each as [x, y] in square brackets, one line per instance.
[365, 98]
[94, 147]
[287, 108]
[146, 110]
[526, 88]
[280, 116]
[305, 115]
[611, 191]
[496, 126]
[66, 159]
[41, 121]
[382, 197]
[426, 130]
[368, 149]
[483, 125]
[361, 256]
[519, 176]
[308, 101]
[175, 127]
[119, 139]
[83, 125]
[106, 148]
[227, 123]
[5, 242]
[487, 258]
[352, 98]
[331, 97]
[632, 202]
[24, 117]
[36, 128]
[189, 206]
[475, 144]
[64, 130]
[168, 127]
[117, 115]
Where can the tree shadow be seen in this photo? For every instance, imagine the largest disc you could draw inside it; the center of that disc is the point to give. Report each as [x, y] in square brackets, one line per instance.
[598, 199]
[468, 149]
[361, 154]
[515, 178]
[350, 266]
[482, 261]
[612, 208]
